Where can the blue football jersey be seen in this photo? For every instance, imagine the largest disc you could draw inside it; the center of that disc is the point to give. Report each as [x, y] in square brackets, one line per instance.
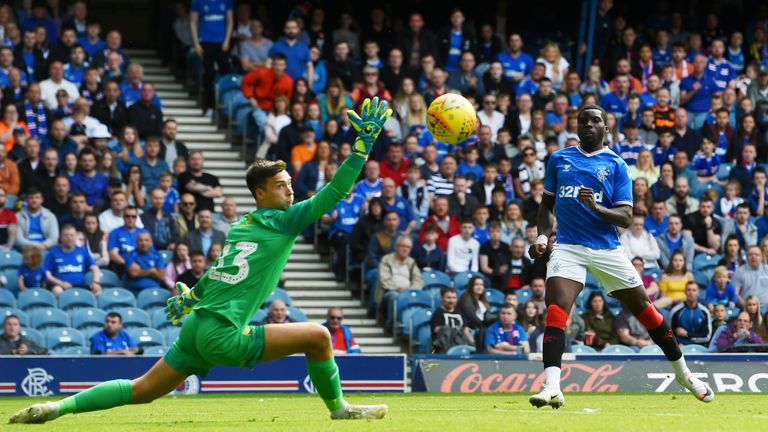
[607, 175]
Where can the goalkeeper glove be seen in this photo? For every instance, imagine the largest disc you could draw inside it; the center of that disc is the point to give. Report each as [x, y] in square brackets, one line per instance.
[373, 115]
[180, 305]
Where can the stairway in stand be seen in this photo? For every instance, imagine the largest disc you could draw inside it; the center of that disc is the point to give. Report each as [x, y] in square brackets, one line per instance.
[309, 281]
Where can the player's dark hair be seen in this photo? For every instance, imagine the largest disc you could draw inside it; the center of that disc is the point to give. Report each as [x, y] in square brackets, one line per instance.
[758, 169]
[197, 252]
[430, 228]
[705, 198]
[603, 114]
[722, 110]
[744, 205]
[12, 316]
[636, 259]
[445, 290]
[669, 270]
[280, 56]
[115, 315]
[259, 171]
[508, 306]
[467, 220]
[494, 225]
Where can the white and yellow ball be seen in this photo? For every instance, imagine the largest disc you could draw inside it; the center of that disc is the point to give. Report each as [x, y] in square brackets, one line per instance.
[451, 118]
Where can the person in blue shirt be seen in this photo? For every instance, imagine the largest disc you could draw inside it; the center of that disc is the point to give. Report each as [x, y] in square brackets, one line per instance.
[342, 221]
[211, 22]
[92, 41]
[469, 168]
[296, 52]
[706, 163]
[145, 267]
[130, 89]
[66, 265]
[735, 54]
[31, 273]
[370, 185]
[122, 241]
[589, 188]
[657, 221]
[718, 67]
[480, 219]
[517, 65]
[506, 336]
[630, 148]
[695, 93]
[152, 167]
[113, 340]
[616, 101]
[721, 291]
[88, 179]
[530, 84]
[39, 18]
[74, 71]
[691, 320]
[399, 205]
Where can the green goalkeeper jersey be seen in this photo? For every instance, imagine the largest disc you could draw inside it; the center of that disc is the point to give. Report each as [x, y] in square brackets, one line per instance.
[258, 246]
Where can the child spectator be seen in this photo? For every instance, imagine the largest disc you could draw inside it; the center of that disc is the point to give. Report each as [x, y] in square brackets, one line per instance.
[31, 272]
[721, 291]
[428, 254]
[463, 250]
[172, 198]
[706, 163]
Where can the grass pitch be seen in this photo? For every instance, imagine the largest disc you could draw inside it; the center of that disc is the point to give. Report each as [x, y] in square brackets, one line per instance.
[418, 412]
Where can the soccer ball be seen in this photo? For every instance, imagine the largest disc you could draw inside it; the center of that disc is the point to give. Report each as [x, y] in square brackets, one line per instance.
[451, 118]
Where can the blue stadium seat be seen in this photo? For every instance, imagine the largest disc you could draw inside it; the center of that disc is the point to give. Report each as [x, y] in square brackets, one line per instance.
[171, 334]
[462, 350]
[64, 337]
[76, 298]
[494, 297]
[88, 320]
[591, 282]
[297, 315]
[418, 318]
[732, 312]
[167, 256]
[422, 338]
[434, 292]
[407, 317]
[523, 295]
[259, 317]
[703, 261]
[617, 349]
[11, 279]
[133, 318]
[36, 298]
[156, 351]
[226, 88]
[436, 278]
[112, 298]
[583, 349]
[724, 171]
[460, 280]
[35, 335]
[43, 319]
[655, 272]
[109, 279]
[694, 348]
[651, 349]
[278, 294]
[73, 351]
[701, 279]
[409, 299]
[145, 337]
[152, 298]
[159, 321]
[23, 316]
[7, 299]
[10, 260]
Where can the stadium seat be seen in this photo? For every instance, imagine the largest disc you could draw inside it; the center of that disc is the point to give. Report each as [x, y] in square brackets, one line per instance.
[152, 298]
[278, 294]
[23, 316]
[422, 338]
[694, 348]
[523, 295]
[43, 319]
[159, 320]
[724, 171]
[617, 349]
[145, 337]
[655, 272]
[76, 298]
[297, 315]
[157, 351]
[701, 279]
[7, 299]
[109, 279]
[583, 349]
[112, 298]
[64, 337]
[226, 88]
[73, 351]
[11, 279]
[460, 280]
[407, 317]
[494, 297]
[133, 318]
[88, 320]
[703, 262]
[409, 299]
[35, 335]
[434, 292]
[167, 256]
[651, 349]
[171, 334]
[436, 278]
[591, 282]
[461, 350]
[36, 298]
[259, 317]
[732, 312]
[10, 260]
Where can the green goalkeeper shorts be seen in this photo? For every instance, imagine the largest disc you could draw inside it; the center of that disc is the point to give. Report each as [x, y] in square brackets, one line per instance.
[208, 339]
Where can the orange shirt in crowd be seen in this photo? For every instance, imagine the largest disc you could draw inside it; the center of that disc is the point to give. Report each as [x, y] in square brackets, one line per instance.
[301, 154]
[11, 140]
[9, 177]
[262, 84]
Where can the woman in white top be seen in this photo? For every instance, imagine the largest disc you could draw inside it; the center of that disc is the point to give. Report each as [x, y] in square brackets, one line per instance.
[556, 65]
[277, 119]
[638, 242]
[644, 168]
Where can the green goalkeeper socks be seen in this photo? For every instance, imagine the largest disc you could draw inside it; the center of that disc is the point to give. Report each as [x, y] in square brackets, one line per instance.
[325, 377]
[106, 395]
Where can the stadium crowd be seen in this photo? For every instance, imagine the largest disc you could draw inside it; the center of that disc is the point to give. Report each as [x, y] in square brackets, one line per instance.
[93, 177]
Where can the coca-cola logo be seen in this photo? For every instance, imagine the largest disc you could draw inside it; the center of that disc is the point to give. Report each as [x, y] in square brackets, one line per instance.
[576, 377]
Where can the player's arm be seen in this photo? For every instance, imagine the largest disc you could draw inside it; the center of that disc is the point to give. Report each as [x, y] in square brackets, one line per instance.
[544, 226]
[620, 215]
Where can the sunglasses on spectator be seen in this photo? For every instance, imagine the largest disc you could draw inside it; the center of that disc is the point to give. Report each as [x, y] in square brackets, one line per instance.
[489, 102]
[130, 216]
[335, 318]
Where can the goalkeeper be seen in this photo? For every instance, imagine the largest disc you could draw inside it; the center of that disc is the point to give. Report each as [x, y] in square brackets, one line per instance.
[220, 306]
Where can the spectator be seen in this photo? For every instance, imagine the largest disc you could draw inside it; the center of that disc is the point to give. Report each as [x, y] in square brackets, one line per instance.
[397, 272]
[461, 203]
[756, 92]
[9, 173]
[691, 321]
[342, 220]
[159, 224]
[751, 279]
[630, 332]
[29, 58]
[675, 239]
[31, 274]
[296, 52]
[122, 240]
[399, 205]
[56, 82]
[170, 147]
[145, 115]
[204, 236]
[130, 89]
[13, 342]
[262, 86]
[58, 139]
[210, 36]
[598, 319]
[428, 254]
[506, 336]
[744, 171]
[254, 51]
[177, 265]
[737, 333]
[113, 340]
[383, 241]
[223, 221]
[482, 190]
[196, 270]
[278, 313]
[394, 166]
[657, 222]
[305, 150]
[110, 111]
[91, 40]
[414, 190]
[733, 255]
[721, 291]
[16, 90]
[112, 218]
[488, 116]
[66, 265]
[448, 226]
[741, 226]
[495, 257]
[704, 227]
[371, 87]
[463, 250]
[695, 93]
[10, 126]
[616, 101]
[88, 179]
[370, 185]
[416, 41]
[203, 186]
[442, 182]
[37, 226]
[58, 203]
[75, 215]
[494, 81]
[8, 224]
[531, 169]
[639, 242]
[448, 326]
[94, 240]
[76, 66]
[520, 267]
[649, 280]
[30, 164]
[145, 268]
[531, 317]
[152, 166]
[464, 79]
[342, 340]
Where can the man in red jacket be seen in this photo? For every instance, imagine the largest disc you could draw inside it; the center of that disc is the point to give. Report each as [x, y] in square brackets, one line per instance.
[261, 85]
[395, 166]
[447, 225]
